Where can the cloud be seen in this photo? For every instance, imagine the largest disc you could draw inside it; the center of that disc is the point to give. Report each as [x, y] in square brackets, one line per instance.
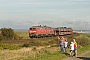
[78, 24]
[15, 25]
[25, 13]
[51, 23]
[6, 23]
[75, 24]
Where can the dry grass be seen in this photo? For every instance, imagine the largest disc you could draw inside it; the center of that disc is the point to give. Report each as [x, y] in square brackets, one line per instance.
[24, 53]
[16, 54]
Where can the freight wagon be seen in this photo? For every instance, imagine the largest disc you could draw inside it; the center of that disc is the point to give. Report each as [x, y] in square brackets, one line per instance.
[63, 31]
[46, 31]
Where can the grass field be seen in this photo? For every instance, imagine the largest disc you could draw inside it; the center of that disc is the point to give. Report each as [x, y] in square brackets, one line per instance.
[40, 53]
[50, 51]
[23, 34]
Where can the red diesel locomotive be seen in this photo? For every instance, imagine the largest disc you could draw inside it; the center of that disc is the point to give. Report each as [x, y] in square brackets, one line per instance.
[45, 31]
[40, 31]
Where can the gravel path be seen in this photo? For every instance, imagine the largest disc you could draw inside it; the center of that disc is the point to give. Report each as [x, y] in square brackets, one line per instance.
[80, 57]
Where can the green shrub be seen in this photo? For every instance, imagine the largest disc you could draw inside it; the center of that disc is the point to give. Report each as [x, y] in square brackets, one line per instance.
[9, 46]
[25, 45]
[82, 40]
[35, 43]
[7, 33]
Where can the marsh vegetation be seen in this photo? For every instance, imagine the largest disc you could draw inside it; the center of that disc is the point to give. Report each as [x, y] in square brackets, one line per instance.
[25, 48]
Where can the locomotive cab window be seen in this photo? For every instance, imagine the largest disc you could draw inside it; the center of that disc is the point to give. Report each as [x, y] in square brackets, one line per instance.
[32, 28]
[40, 28]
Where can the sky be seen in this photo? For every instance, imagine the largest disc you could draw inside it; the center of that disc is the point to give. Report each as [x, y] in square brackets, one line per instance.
[22, 14]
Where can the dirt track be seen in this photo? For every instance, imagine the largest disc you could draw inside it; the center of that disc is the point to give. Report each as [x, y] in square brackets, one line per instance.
[80, 57]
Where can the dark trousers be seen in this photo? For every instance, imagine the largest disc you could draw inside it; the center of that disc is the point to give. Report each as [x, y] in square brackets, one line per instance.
[61, 48]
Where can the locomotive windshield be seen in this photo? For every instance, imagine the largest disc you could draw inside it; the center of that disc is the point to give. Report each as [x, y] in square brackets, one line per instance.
[32, 28]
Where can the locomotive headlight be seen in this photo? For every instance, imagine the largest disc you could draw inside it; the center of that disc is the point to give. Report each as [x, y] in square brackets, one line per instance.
[34, 31]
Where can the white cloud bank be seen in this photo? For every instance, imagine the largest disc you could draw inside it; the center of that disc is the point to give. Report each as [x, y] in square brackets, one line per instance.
[25, 13]
[75, 24]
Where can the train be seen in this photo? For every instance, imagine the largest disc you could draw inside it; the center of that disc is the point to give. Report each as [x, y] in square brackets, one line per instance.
[46, 31]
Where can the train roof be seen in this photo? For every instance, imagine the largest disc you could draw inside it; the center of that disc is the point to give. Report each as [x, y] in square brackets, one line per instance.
[44, 26]
[64, 27]
[41, 26]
